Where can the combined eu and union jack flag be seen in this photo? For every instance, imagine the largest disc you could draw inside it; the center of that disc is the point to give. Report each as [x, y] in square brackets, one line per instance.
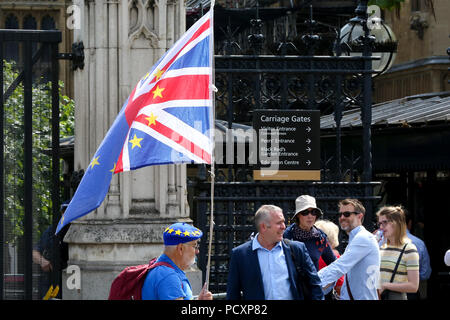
[166, 119]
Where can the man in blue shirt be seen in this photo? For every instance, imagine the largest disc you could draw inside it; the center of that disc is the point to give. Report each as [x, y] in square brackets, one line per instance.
[360, 262]
[169, 282]
[263, 268]
[424, 261]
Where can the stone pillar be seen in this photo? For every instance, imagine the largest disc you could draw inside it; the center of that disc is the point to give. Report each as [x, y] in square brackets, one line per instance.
[122, 39]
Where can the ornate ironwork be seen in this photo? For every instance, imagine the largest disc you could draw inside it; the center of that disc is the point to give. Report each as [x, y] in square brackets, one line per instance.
[76, 56]
[33, 134]
[292, 77]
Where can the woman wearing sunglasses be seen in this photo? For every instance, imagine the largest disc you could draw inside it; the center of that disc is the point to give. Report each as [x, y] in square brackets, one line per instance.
[399, 269]
[303, 229]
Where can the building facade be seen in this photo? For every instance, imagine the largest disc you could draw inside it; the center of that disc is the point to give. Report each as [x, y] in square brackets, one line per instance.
[42, 15]
[421, 63]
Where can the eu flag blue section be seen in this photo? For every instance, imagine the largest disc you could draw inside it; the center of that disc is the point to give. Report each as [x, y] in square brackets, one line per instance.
[194, 58]
[190, 116]
[95, 183]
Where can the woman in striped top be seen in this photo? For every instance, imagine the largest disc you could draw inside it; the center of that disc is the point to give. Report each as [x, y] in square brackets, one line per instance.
[392, 223]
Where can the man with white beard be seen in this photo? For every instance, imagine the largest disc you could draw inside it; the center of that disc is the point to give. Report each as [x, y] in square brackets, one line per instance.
[168, 281]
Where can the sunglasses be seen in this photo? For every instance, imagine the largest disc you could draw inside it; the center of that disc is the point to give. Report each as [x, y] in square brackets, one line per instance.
[346, 213]
[313, 212]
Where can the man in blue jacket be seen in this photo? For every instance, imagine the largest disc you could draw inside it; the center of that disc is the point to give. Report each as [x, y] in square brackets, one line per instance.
[263, 268]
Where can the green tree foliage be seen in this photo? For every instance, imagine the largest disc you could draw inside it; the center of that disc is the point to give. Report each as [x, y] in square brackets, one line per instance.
[42, 145]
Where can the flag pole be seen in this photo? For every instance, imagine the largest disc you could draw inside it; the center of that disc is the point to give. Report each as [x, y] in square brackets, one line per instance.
[212, 128]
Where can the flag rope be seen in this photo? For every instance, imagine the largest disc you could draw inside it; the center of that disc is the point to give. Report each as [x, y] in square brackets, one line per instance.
[211, 227]
[213, 89]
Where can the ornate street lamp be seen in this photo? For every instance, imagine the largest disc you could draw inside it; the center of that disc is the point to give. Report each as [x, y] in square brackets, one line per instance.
[382, 40]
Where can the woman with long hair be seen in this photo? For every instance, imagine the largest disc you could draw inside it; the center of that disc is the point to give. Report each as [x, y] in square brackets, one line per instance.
[399, 268]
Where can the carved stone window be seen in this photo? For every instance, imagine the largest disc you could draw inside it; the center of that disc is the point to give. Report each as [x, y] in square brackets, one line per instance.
[29, 23]
[48, 23]
[11, 22]
[11, 48]
[143, 15]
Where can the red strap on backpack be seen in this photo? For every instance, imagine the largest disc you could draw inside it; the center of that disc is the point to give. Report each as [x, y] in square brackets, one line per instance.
[128, 284]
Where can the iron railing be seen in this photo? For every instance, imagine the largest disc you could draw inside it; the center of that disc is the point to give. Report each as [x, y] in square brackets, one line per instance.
[253, 81]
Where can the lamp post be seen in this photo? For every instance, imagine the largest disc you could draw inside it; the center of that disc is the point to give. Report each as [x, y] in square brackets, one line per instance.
[358, 38]
[448, 52]
[372, 31]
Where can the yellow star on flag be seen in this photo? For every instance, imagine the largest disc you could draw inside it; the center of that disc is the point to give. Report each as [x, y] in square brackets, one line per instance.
[94, 162]
[151, 119]
[170, 230]
[157, 92]
[136, 142]
[178, 232]
[114, 168]
[159, 74]
[186, 233]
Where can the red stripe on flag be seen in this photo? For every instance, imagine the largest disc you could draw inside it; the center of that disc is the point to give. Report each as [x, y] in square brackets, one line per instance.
[177, 138]
[174, 88]
[197, 33]
[180, 88]
[119, 164]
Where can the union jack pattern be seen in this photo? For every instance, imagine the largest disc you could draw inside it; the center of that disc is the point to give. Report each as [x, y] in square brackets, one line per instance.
[166, 119]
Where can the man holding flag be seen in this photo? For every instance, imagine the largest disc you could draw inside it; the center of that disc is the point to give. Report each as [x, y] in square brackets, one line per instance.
[168, 281]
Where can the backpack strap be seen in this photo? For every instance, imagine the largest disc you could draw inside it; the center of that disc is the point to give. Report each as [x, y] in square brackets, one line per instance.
[348, 287]
[160, 263]
[398, 262]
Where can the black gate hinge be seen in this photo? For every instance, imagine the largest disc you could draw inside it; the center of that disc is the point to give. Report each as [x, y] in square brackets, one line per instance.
[77, 55]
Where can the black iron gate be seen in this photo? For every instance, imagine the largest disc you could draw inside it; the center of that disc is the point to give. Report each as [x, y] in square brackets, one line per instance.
[331, 84]
[29, 157]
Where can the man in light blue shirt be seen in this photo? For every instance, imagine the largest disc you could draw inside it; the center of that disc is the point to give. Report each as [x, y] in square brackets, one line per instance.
[424, 261]
[360, 262]
[274, 271]
[266, 267]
